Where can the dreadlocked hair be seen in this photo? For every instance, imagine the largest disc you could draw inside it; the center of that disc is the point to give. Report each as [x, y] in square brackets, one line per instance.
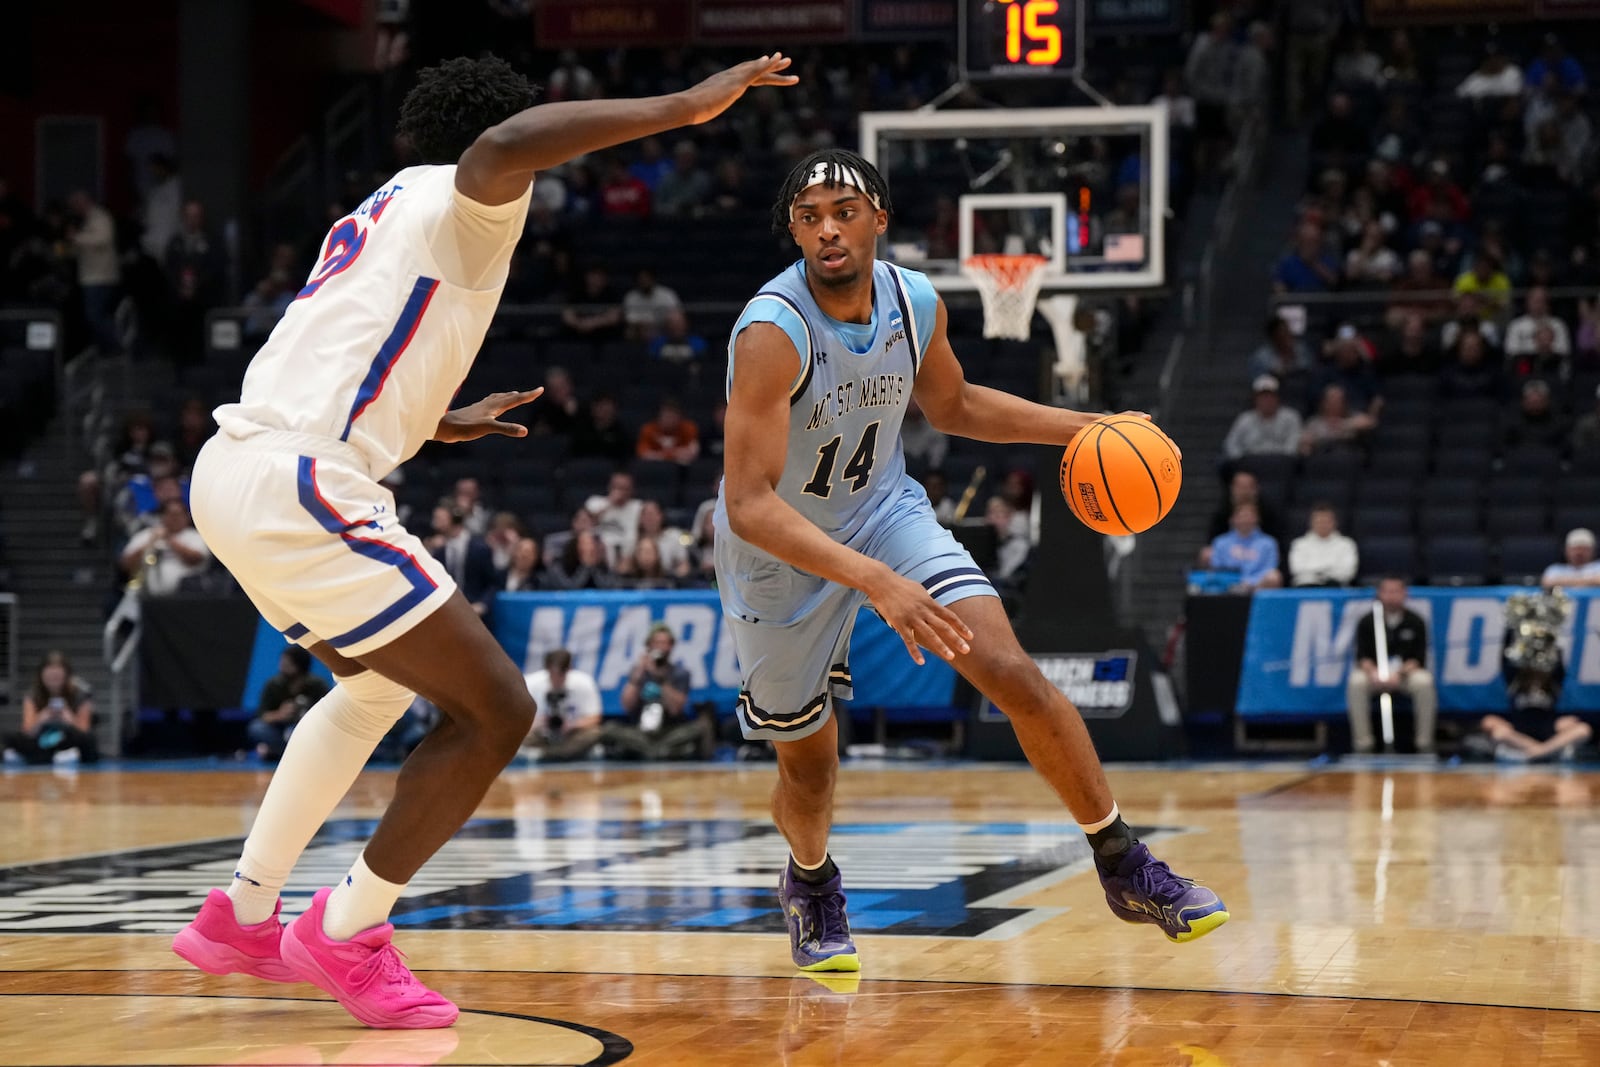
[457, 100]
[838, 160]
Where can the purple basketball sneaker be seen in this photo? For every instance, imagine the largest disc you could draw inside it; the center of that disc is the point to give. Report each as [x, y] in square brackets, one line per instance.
[1144, 890]
[819, 933]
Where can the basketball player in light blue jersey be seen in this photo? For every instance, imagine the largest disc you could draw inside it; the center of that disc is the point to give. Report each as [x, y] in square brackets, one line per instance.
[817, 516]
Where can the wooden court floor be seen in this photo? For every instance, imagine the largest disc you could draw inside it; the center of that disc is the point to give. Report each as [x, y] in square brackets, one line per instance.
[604, 915]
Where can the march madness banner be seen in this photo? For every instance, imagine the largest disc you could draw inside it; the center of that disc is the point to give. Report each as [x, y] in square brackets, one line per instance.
[1299, 646]
[606, 631]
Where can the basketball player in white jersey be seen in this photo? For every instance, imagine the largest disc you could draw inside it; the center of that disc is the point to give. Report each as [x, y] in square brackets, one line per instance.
[355, 378]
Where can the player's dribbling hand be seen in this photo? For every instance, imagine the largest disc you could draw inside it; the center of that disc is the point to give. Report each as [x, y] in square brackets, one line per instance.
[483, 418]
[919, 619]
[717, 93]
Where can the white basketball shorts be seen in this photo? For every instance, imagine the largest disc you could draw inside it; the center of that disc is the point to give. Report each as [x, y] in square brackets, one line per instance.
[313, 540]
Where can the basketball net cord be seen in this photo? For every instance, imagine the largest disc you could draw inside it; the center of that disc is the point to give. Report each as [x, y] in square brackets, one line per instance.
[1009, 286]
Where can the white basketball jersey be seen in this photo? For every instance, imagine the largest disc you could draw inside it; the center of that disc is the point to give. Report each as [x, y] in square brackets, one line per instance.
[373, 349]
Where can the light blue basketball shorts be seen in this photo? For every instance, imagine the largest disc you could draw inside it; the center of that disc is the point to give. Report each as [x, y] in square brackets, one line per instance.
[792, 629]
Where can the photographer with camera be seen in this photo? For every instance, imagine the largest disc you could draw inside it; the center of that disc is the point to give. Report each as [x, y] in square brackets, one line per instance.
[567, 724]
[284, 699]
[656, 697]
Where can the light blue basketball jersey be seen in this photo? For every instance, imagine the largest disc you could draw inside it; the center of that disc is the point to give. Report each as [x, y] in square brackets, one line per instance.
[845, 462]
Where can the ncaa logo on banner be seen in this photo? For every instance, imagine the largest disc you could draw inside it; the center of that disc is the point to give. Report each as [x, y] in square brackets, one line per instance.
[1100, 684]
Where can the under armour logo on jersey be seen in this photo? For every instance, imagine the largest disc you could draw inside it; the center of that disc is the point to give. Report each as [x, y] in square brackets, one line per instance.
[820, 357]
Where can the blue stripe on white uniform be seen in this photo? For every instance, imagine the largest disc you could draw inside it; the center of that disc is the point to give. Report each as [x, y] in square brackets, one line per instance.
[422, 586]
[404, 329]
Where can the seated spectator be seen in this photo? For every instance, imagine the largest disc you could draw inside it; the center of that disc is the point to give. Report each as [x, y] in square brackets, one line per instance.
[558, 410]
[1438, 198]
[730, 191]
[616, 515]
[506, 532]
[1554, 68]
[602, 435]
[57, 718]
[1247, 550]
[1334, 426]
[568, 723]
[465, 555]
[1520, 334]
[675, 344]
[1536, 421]
[703, 553]
[160, 558]
[646, 306]
[1282, 355]
[1418, 294]
[622, 195]
[1245, 488]
[1406, 639]
[922, 443]
[195, 428]
[1347, 361]
[1409, 350]
[555, 545]
[130, 457]
[686, 188]
[1358, 65]
[644, 569]
[1471, 373]
[1013, 546]
[672, 544]
[1586, 430]
[661, 724]
[522, 572]
[142, 494]
[1372, 262]
[1267, 428]
[581, 565]
[1339, 138]
[467, 497]
[1495, 78]
[670, 437]
[937, 486]
[1308, 267]
[285, 699]
[1580, 568]
[1469, 318]
[1489, 282]
[652, 164]
[1322, 556]
[594, 311]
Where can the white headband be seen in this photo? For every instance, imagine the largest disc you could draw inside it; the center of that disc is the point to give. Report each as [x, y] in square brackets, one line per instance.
[820, 173]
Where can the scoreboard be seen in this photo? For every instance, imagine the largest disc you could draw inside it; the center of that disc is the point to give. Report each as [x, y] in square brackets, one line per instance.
[1020, 38]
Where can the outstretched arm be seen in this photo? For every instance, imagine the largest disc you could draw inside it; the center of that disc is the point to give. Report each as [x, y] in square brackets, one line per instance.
[503, 160]
[756, 444]
[956, 406]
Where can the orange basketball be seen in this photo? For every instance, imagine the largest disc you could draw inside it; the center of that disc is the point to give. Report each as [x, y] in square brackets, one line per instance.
[1121, 475]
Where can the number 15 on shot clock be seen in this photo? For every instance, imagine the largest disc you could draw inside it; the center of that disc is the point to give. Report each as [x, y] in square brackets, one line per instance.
[1021, 38]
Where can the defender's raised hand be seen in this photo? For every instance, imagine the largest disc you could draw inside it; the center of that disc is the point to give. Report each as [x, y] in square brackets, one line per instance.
[717, 93]
[483, 418]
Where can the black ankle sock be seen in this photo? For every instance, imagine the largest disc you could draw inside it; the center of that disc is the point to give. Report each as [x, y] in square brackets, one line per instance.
[822, 874]
[1111, 844]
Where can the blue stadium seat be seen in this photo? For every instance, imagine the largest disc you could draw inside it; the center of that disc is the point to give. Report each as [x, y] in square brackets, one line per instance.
[1269, 467]
[1380, 522]
[1388, 555]
[1504, 520]
[1537, 460]
[1463, 462]
[1459, 559]
[1435, 520]
[1524, 557]
[1331, 464]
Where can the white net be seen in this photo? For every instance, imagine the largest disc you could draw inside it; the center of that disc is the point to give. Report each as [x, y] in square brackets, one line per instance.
[1009, 286]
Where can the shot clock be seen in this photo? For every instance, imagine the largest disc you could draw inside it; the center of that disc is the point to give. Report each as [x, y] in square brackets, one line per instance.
[1021, 38]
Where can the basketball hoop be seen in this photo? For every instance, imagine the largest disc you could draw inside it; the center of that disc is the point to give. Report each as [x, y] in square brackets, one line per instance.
[1009, 286]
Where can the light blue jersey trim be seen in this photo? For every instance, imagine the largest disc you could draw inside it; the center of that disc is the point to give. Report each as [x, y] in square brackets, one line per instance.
[922, 304]
[778, 310]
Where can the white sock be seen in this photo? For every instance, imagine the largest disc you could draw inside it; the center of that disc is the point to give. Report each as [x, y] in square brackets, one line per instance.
[1096, 827]
[809, 867]
[360, 902]
[325, 753]
[253, 892]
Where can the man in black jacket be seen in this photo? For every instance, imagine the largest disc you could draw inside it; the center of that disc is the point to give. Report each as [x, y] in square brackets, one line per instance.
[469, 559]
[1407, 639]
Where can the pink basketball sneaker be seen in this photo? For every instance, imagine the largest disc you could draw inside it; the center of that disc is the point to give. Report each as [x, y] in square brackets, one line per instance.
[365, 974]
[217, 944]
